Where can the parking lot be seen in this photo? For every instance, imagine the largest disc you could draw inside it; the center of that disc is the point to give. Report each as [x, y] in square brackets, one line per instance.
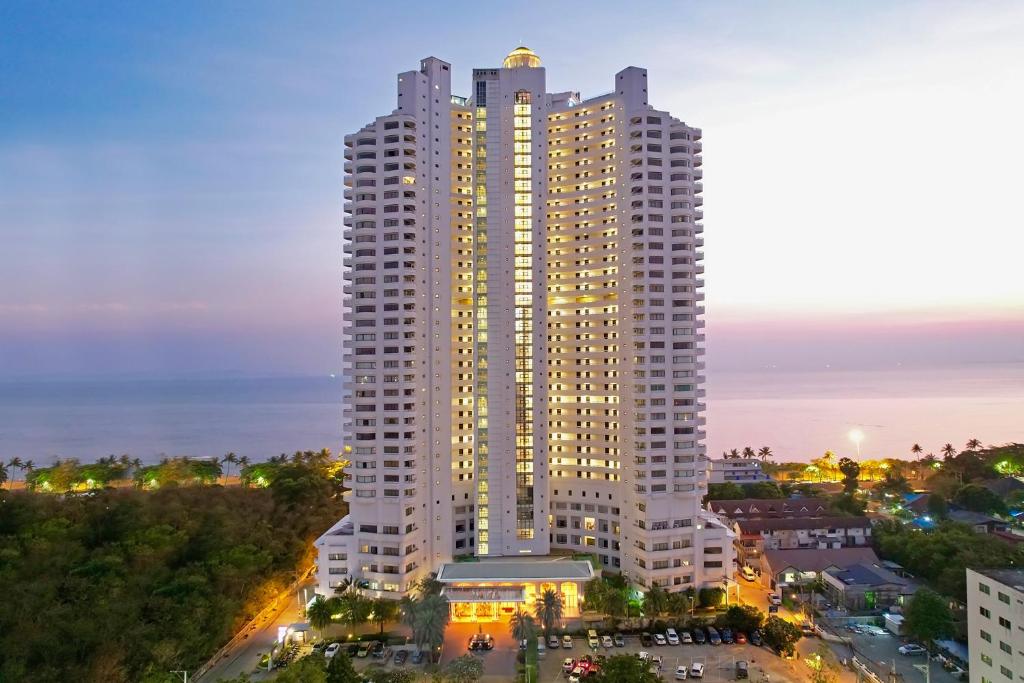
[719, 660]
[880, 651]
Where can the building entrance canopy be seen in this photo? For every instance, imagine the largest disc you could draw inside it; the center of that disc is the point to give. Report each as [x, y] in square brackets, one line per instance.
[484, 594]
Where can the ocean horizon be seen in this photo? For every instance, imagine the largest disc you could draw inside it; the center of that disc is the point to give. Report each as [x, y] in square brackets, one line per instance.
[799, 414]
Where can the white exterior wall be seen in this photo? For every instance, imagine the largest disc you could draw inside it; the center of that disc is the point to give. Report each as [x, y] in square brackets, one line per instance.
[995, 628]
[737, 471]
[619, 463]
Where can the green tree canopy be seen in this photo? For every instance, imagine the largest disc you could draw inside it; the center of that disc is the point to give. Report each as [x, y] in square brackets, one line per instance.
[464, 669]
[746, 618]
[850, 470]
[928, 617]
[780, 635]
[979, 499]
[625, 669]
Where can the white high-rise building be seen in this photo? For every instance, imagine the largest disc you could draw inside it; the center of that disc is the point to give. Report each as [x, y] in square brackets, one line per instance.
[995, 624]
[524, 339]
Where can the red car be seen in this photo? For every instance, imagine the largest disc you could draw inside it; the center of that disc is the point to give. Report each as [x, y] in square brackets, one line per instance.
[741, 638]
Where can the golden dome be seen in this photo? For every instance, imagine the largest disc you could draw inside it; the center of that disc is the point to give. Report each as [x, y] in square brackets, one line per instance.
[521, 56]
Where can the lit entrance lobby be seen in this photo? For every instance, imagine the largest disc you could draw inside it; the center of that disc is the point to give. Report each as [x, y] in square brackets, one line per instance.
[492, 590]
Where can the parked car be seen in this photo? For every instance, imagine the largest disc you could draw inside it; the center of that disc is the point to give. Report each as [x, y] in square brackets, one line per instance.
[697, 670]
[377, 649]
[646, 640]
[912, 650]
[699, 636]
[568, 664]
[681, 672]
[552, 642]
[332, 650]
[741, 638]
[606, 642]
[755, 638]
[685, 637]
[660, 639]
[741, 670]
[713, 637]
[364, 649]
[672, 637]
[401, 656]
[481, 641]
[567, 641]
[807, 628]
[748, 573]
[592, 640]
[774, 599]
[619, 639]
[726, 634]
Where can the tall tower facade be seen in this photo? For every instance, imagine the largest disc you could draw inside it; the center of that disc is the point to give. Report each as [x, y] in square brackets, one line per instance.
[524, 332]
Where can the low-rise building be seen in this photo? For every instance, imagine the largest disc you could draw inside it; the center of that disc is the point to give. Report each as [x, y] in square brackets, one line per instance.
[805, 565]
[995, 624]
[821, 533]
[737, 471]
[333, 549]
[867, 587]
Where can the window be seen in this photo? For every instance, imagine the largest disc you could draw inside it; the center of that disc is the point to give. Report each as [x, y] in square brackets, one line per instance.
[985, 613]
[984, 589]
[1005, 647]
[1005, 623]
[1004, 598]
[985, 658]
[1006, 672]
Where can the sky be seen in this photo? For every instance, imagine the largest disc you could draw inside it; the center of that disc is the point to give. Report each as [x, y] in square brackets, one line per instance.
[171, 173]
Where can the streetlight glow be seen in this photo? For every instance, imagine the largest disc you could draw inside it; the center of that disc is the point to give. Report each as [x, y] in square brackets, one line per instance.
[856, 436]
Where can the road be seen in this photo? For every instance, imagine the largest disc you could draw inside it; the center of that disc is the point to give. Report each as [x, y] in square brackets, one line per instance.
[245, 657]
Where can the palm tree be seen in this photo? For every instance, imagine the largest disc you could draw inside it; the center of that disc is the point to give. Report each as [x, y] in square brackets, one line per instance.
[764, 453]
[319, 614]
[384, 610]
[734, 454]
[548, 609]
[522, 626]
[430, 619]
[655, 601]
[916, 449]
[428, 585]
[15, 463]
[229, 460]
[973, 444]
[748, 452]
[948, 450]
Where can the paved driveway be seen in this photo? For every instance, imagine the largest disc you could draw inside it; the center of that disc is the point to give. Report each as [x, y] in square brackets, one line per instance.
[499, 663]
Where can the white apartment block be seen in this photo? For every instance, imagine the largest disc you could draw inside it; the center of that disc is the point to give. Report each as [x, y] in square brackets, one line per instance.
[737, 471]
[995, 625]
[524, 335]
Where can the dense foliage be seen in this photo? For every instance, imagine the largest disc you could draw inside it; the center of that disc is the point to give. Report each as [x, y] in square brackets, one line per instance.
[126, 584]
[780, 635]
[941, 556]
[928, 617]
[625, 669]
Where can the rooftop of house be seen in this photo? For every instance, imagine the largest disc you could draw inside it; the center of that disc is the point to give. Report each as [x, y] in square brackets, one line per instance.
[867, 574]
[814, 560]
[1008, 577]
[760, 524]
[769, 507]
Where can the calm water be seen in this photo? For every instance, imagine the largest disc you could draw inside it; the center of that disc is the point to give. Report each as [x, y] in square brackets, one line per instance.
[798, 414]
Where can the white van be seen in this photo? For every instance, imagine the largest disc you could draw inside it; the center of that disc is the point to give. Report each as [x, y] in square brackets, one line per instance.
[592, 639]
[748, 573]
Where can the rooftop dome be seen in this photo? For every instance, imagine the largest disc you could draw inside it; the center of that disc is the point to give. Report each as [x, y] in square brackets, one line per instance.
[521, 56]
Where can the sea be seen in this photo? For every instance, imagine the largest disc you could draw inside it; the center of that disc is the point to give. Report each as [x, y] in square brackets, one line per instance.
[798, 414]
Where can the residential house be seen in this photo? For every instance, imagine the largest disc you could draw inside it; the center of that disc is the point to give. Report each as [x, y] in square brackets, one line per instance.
[805, 565]
[867, 586]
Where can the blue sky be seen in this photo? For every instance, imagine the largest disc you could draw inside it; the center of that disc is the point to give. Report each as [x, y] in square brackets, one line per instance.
[170, 173]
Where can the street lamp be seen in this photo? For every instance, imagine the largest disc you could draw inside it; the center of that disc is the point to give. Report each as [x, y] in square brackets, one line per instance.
[856, 436]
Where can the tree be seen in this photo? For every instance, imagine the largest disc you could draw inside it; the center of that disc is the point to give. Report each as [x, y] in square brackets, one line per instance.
[780, 635]
[928, 617]
[229, 460]
[977, 498]
[948, 450]
[937, 506]
[655, 601]
[849, 504]
[340, 670]
[522, 626]
[354, 608]
[464, 669]
[430, 619]
[762, 489]
[625, 669]
[764, 453]
[734, 454]
[305, 670]
[710, 597]
[320, 614]
[973, 444]
[383, 611]
[916, 450]
[428, 585]
[823, 665]
[746, 618]
[850, 470]
[893, 482]
[548, 609]
[748, 453]
[725, 491]
[595, 595]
